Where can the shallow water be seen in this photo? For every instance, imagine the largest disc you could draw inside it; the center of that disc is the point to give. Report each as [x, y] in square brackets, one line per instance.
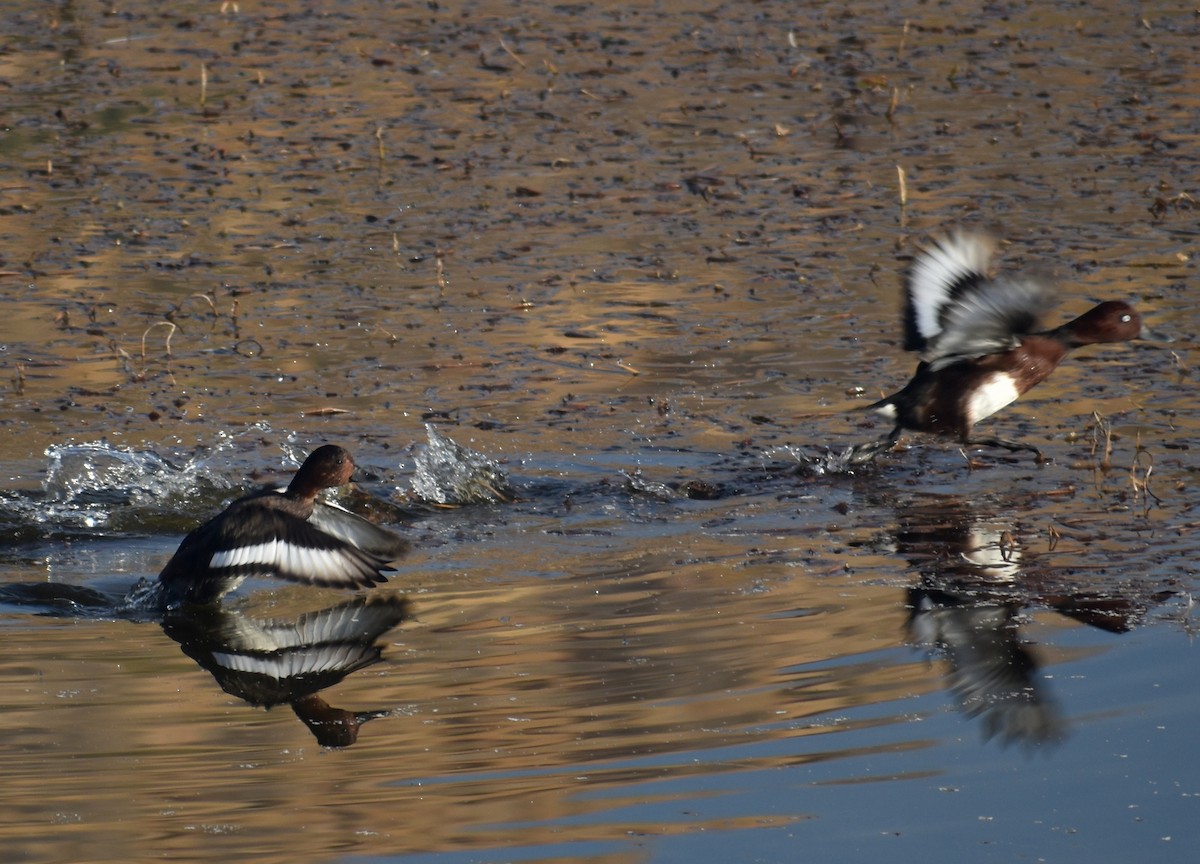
[621, 250]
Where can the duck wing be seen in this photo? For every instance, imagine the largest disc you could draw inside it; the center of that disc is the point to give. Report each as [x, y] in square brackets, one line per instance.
[258, 537]
[990, 319]
[954, 311]
[949, 268]
[353, 529]
[289, 548]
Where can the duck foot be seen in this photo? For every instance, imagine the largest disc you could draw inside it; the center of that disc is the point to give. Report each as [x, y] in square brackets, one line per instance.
[862, 454]
[1011, 446]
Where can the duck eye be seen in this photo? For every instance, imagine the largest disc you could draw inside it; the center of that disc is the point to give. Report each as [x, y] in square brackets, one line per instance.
[1125, 319]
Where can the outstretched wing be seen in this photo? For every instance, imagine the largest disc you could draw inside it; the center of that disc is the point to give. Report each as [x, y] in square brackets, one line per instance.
[954, 311]
[253, 540]
[353, 529]
[289, 548]
[951, 267]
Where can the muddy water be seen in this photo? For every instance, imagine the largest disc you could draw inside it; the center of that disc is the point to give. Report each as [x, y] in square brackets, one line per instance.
[592, 240]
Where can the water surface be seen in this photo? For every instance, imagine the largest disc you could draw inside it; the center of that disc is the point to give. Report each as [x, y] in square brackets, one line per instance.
[593, 241]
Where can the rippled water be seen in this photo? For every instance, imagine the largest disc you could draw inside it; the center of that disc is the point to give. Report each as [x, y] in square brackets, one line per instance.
[646, 257]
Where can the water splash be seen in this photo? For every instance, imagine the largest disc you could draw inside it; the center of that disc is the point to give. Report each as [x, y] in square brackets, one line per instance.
[448, 473]
[848, 460]
[639, 485]
[98, 486]
[86, 474]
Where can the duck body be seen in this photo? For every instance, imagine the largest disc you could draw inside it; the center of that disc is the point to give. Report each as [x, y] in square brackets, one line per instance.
[950, 400]
[979, 346]
[271, 533]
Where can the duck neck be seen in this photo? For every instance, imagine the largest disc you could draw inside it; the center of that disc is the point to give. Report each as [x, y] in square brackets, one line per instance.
[1067, 334]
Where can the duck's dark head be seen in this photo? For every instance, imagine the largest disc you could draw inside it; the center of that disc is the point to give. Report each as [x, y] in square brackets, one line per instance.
[327, 466]
[1111, 321]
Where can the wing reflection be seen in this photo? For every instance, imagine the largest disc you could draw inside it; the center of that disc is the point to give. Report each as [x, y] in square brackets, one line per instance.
[973, 584]
[991, 674]
[275, 662]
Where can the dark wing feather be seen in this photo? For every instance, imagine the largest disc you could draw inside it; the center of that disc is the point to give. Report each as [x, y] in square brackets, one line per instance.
[258, 537]
[950, 268]
[356, 531]
[989, 318]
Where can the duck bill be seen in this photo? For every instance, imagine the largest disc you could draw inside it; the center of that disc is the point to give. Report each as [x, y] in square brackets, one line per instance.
[1154, 337]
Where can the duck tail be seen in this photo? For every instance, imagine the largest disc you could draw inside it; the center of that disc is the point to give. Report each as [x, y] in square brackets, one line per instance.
[885, 406]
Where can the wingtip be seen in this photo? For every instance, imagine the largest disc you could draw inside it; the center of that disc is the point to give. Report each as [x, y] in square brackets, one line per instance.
[949, 265]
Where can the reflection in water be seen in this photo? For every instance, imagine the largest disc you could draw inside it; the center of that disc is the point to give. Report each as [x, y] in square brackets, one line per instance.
[263, 662]
[276, 662]
[992, 675]
[973, 586]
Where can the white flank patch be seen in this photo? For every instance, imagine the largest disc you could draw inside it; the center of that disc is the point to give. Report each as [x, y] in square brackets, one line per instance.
[888, 411]
[996, 392]
[942, 265]
[285, 557]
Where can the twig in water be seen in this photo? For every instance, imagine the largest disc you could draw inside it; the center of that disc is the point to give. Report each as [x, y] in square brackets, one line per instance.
[1102, 427]
[1139, 478]
[207, 298]
[1182, 368]
[511, 54]
[439, 266]
[170, 332]
[391, 337]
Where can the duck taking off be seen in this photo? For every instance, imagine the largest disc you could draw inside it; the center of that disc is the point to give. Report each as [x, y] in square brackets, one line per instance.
[978, 342]
[287, 534]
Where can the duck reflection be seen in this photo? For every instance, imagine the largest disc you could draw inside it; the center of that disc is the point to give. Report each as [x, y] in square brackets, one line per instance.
[991, 674]
[973, 586]
[290, 661]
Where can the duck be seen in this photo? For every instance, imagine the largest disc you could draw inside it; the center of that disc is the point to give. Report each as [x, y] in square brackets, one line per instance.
[978, 342]
[283, 533]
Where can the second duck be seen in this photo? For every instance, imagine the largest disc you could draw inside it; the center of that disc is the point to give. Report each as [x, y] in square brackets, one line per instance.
[977, 341]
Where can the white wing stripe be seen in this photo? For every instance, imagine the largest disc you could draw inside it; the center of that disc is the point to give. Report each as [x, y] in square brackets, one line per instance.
[303, 561]
[259, 553]
[937, 269]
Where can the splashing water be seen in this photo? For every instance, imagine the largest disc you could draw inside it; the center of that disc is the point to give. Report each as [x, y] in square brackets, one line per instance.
[843, 461]
[450, 474]
[639, 485]
[96, 485]
[97, 473]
